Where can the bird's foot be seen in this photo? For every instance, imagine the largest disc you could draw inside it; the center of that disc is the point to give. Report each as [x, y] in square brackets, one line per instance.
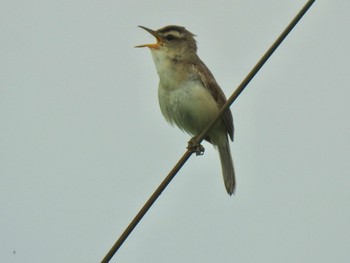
[196, 147]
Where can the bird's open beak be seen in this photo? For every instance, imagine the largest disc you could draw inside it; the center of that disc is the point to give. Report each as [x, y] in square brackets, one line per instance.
[154, 33]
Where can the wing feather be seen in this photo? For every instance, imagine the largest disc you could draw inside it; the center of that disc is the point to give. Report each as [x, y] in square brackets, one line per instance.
[210, 83]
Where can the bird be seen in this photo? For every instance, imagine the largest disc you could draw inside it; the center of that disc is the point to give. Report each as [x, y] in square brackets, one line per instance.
[188, 93]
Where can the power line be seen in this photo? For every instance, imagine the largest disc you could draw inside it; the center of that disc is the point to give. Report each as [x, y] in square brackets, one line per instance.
[198, 139]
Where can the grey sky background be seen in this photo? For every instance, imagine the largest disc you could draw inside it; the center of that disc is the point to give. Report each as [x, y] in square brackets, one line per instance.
[83, 144]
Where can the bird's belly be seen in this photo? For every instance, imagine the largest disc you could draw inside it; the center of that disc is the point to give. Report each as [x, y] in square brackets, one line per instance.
[190, 106]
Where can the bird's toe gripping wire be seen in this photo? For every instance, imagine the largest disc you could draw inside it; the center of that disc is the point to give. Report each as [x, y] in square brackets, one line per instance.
[195, 147]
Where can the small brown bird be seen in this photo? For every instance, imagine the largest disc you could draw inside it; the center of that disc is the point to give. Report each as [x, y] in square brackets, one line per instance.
[188, 93]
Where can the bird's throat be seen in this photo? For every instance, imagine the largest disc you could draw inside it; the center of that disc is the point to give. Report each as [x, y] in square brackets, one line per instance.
[170, 69]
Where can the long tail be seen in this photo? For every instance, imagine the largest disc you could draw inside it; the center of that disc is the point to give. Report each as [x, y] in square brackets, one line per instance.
[228, 171]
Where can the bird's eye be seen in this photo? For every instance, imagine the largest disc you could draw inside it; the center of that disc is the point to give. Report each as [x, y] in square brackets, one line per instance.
[170, 37]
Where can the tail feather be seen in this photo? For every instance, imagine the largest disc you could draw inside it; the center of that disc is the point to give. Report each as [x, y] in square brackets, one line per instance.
[228, 171]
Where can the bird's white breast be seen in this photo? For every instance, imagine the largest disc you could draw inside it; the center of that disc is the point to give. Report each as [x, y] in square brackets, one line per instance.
[188, 105]
[183, 99]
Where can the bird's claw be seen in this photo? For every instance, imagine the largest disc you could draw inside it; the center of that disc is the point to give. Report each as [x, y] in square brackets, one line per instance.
[196, 147]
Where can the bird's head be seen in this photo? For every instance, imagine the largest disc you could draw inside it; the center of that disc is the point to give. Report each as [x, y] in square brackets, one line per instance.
[174, 39]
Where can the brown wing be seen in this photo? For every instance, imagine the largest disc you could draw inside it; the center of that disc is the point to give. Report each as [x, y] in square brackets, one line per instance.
[210, 83]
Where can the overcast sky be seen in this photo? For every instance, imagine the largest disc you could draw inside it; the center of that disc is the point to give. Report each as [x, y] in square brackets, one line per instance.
[83, 143]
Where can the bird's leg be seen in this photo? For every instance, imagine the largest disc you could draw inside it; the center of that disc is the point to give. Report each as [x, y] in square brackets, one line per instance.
[196, 147]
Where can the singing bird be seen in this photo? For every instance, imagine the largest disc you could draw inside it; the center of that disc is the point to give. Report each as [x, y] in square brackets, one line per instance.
[188, 93]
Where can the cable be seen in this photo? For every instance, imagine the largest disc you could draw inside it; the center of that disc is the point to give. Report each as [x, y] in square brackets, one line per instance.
[198, 139]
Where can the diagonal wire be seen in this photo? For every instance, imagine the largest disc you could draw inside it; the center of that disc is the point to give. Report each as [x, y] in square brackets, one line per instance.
[201, 136]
